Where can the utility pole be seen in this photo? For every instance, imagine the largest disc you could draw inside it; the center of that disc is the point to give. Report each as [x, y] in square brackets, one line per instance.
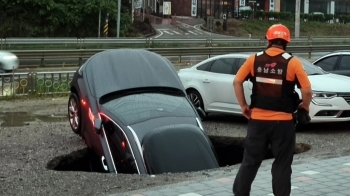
[143, 10]
[297, 18]
[132, 11]
[99, 21]
[118, 19]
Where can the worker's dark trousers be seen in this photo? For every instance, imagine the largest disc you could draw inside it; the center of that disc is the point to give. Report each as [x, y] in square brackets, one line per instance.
[281, 136]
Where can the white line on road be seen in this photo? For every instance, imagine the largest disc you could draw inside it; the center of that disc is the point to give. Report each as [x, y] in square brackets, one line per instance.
[176, 32]
[198, 29]
[184, 24]
[199, 32]
[192, 32]
[160, 34]
[168, 33]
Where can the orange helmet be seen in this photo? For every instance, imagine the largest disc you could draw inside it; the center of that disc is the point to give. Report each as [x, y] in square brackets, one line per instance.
[278, 31]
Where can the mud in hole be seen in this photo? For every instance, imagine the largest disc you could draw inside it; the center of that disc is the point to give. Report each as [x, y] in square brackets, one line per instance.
[229, 151]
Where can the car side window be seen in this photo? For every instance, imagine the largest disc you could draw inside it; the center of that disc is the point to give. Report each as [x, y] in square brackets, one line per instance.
[204, 67]
[223, 66]
[327, 64]
[344, 63]
[238, 64]
[120, 149]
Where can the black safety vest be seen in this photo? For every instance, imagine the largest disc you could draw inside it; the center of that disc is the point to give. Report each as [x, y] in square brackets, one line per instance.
[271, 90]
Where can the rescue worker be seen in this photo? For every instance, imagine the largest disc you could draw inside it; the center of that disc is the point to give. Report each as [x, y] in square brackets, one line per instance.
[274, 74]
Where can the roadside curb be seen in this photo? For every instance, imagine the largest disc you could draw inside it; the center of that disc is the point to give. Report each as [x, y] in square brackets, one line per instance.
[151, 34]
[203, 28]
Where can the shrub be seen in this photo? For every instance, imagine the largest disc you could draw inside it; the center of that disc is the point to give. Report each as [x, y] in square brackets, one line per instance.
[289, 16]
[218, 23]
[146, 20]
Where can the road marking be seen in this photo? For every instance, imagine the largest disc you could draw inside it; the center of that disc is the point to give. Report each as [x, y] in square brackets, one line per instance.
[192, 32]
[204, 31]
[186, 25]
[160, 34]
[176, 32]
[199, 32]
[168, 33]
[310, 172]
[186, 33]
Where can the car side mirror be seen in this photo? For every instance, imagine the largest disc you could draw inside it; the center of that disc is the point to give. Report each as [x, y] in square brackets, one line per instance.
[98, 125]
[201, 112]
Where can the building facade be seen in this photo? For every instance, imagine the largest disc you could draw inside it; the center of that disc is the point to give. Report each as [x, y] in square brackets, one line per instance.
[216, 8]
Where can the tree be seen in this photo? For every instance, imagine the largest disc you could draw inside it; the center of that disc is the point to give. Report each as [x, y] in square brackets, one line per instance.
[59, 18]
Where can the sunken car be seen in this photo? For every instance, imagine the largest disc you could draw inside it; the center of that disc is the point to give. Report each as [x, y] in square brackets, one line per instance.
[132, 111]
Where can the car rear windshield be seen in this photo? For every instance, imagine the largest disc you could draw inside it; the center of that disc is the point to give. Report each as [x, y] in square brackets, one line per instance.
[141, 107]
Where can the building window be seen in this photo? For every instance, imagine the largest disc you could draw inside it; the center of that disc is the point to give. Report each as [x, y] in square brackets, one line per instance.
[203, 5]
[342, 7]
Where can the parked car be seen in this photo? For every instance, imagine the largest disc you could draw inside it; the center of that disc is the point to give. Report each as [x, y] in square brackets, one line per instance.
[337, 62]
[8, 61]
[209, 85]
[132, 110]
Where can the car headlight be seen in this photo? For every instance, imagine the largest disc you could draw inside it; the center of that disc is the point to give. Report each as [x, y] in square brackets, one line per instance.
[323, 95]
[10, 57]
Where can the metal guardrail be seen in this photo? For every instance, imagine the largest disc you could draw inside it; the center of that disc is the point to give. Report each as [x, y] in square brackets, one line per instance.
[149, 41]
[79, 54]
[17, 84]
[14, 84]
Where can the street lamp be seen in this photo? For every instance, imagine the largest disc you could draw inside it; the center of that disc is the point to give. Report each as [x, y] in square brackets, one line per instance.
[99, 20]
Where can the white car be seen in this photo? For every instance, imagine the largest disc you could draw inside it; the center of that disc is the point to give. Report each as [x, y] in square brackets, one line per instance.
[8, 61]
[209, 85]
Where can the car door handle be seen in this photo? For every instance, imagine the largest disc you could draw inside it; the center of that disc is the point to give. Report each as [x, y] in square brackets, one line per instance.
[206, 81]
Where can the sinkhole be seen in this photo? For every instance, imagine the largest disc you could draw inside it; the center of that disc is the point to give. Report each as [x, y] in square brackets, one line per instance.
[229, 151]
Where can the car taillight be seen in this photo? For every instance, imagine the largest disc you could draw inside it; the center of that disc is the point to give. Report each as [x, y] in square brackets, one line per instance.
[83, 102]
[123, 144]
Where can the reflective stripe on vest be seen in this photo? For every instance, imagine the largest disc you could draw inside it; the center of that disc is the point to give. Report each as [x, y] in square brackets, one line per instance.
[269, 80]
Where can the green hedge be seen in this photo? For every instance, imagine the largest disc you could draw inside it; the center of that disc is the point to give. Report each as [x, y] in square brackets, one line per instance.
[291, 16]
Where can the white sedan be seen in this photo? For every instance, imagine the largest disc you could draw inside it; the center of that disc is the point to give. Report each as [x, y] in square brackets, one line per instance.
[8, 61]
[209, 85]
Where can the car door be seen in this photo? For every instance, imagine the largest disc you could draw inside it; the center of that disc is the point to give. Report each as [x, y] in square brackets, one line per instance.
[247, 85]
[121, 152]
[343, 67]
[328, 63]
[217, 85]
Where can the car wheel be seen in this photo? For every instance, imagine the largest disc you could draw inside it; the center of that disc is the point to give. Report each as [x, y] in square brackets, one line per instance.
[196, 99]
[74, 113]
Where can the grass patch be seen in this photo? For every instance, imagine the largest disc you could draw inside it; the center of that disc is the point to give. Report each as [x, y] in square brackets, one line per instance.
[257, 28]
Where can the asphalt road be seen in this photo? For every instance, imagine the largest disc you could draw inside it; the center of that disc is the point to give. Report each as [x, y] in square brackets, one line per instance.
[182, 30]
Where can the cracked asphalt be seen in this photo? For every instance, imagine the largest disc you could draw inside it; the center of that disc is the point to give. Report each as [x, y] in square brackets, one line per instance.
[28, 142]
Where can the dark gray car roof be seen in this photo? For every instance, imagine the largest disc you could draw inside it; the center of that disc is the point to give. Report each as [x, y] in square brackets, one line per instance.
[120, 69]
